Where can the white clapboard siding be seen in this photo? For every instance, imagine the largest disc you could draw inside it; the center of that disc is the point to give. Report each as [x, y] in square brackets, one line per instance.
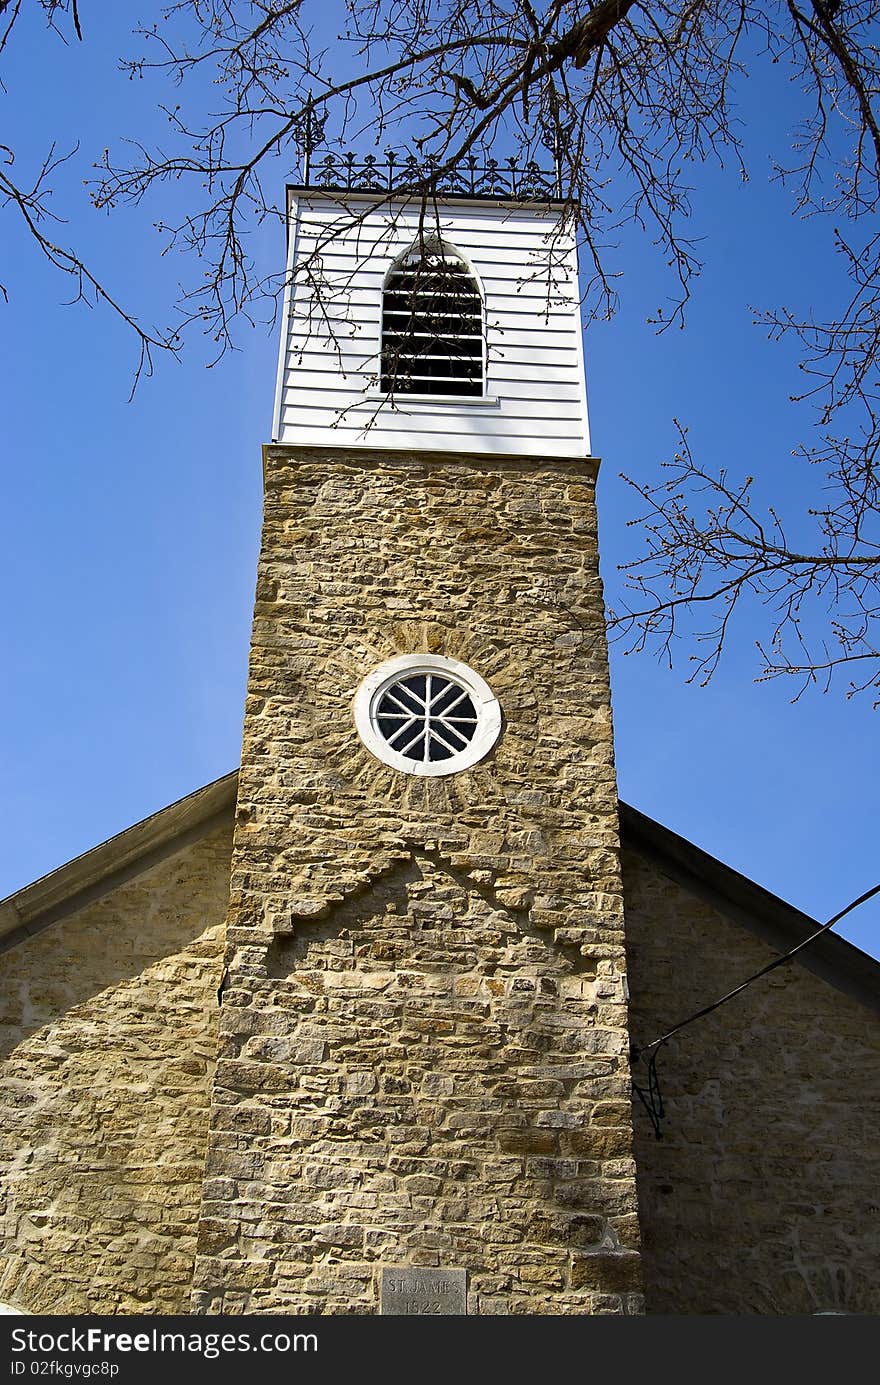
[525, 263]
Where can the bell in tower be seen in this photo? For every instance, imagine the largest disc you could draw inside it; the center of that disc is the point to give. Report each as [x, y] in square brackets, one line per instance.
[422, 1098]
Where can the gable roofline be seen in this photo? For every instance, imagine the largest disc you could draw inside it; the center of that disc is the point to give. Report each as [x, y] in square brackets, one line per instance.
[765, 915]
[97, 872]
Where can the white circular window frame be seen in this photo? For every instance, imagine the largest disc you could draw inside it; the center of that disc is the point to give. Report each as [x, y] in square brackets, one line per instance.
[374, 687]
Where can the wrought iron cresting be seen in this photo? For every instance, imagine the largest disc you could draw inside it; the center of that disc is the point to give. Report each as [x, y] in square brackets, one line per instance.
[395, 174]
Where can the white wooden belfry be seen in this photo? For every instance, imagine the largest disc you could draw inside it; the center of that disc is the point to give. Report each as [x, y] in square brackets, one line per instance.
[345, 249]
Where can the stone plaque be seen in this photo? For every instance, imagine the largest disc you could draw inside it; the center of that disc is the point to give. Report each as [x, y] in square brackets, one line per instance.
[418, 1289]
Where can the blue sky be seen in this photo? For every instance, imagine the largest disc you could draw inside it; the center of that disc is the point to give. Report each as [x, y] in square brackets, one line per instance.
[131, 528]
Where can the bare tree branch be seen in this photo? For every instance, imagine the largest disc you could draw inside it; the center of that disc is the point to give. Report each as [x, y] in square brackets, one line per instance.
[627, 95]
[708, 550]
[30, 202]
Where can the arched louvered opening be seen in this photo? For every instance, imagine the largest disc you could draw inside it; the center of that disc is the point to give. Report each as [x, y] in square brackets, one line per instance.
[432, 324]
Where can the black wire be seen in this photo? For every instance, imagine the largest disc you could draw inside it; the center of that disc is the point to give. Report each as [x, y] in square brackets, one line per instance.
[652, 1099]
[771, 966]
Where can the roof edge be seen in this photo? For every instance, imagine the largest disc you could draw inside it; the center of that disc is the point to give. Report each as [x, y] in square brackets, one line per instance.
[381, 196]
[765, 915]
[98, 871]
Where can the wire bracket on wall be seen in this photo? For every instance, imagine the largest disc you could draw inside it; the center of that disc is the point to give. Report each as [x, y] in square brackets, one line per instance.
[650, 1095]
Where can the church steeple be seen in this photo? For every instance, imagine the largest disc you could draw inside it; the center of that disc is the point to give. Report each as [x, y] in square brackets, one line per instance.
[422, 1098]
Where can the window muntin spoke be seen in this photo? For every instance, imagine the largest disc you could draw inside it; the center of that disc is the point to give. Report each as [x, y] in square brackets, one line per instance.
[447, 688]
[436, 736]
[410, 745]
[410, 710]
[464, 732]
[415, 687]
[399, 732]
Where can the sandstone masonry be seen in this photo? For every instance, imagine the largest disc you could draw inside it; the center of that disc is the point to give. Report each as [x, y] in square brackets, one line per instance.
[423, 1053]
[421, 1058]
[108, 1040]
[762, 1195]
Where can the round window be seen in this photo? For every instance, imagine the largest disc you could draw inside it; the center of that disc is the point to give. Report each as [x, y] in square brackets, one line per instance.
[426, 714]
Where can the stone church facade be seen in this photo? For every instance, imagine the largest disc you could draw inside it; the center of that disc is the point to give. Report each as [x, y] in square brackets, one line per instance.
[368, 1007]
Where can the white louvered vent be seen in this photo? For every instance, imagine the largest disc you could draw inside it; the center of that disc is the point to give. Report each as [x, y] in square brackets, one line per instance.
[432, 324]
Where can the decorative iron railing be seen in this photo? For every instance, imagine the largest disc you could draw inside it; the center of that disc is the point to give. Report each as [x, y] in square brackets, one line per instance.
[395, 173]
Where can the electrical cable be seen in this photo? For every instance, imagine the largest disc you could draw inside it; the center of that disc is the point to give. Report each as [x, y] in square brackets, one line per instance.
[652, 1098]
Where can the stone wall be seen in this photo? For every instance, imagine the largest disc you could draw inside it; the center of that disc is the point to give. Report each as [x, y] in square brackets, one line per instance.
[108, 1033]
[423, 1054]
[762, 1196]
